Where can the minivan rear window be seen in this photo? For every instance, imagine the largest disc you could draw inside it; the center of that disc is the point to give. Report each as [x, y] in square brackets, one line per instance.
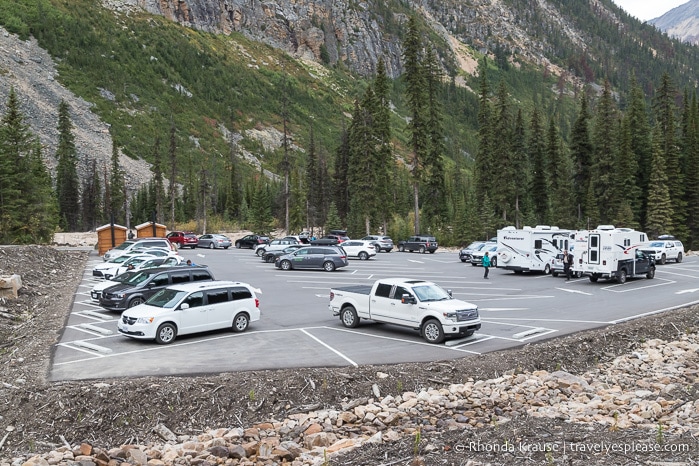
[217, 296]
[199, 275]
[240, 293]
[180, 277]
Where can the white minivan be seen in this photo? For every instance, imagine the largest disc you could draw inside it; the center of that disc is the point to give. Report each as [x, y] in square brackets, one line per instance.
[191, 308]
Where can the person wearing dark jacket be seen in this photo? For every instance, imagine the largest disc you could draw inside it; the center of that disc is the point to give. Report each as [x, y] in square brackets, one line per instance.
[567, 264]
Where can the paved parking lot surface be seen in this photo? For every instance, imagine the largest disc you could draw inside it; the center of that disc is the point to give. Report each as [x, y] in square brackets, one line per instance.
[298, 330]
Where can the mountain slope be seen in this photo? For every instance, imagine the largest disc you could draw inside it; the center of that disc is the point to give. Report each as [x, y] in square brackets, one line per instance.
[681, 22]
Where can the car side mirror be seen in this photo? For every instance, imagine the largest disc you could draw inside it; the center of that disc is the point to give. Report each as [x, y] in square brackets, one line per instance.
[407, 299]
[184, 306]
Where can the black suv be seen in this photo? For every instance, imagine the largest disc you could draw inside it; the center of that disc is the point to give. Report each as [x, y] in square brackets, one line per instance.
[419, 243]
[147, 282]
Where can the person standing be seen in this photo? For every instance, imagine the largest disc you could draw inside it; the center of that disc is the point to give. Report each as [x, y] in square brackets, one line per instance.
[567, 263]
[486, 264]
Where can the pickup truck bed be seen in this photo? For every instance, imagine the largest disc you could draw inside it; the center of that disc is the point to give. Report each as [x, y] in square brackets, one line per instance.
[359, 289]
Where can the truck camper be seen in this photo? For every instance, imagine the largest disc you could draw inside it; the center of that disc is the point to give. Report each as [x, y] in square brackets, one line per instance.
[531, 249]
[613, 253]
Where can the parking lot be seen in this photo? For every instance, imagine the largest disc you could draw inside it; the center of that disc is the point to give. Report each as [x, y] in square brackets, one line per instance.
[298, 330]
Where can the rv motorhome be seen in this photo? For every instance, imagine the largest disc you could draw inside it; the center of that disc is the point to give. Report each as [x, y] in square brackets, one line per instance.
[614, 253]
[531, 249]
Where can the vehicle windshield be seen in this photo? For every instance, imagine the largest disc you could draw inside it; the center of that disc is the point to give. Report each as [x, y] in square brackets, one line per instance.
[120, 259]
[124, 245]
[121, 278]
[430, 293]
[657, 244]
[166, 298]
[139, 277]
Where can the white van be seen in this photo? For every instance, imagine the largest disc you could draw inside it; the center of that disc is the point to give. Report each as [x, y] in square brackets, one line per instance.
[137, 244]
[191, 308]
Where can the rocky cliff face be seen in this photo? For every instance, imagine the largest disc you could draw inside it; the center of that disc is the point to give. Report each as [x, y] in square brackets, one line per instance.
[681, 22]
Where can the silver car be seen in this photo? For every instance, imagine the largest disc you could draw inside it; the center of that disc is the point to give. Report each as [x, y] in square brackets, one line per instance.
[381, 243]
[214, 241]
[327, 258]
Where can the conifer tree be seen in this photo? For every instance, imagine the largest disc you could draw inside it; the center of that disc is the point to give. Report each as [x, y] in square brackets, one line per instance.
[333, 219]
[41, 209]
[605, 147]
[520, 171]
[158, 183]
[172, 187]
[15, 149]
[582, 155]
[434, 197]
[382, 131]
[340, 177]
[502, 164]
[691, 148]
[325, 188]
[363, 158]
[116, 207]
[539, 178]
[417, 104]
[483, 166]
[90, 201]
[638, 122]
[625, 170]
[67, 184]
[312, 183]
[561, 181]
[660, 215]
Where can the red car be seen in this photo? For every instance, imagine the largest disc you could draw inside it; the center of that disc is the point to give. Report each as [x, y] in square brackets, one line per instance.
[183, 239]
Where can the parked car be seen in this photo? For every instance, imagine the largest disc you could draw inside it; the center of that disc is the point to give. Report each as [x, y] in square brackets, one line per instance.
[129, 264]
[359, 248]
[139, 243]
[147, 282]
[191, 308]
[183, 239]
[327, 258]
[665, 248]
[477, 256]
[275, 245]
[151, 262]
[96, 291]
[465, 253]
[271, 256]
[419, 243]
[214, 241]
[109, 267]
[251, 241]
[381, 243]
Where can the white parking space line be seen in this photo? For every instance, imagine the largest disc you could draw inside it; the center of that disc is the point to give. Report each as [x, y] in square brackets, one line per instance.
[96, 316]
[86, 328]
[690, 290]
[510, 298]
[331, 348]
[685, 275]
[509, 320]
[74, 346]
[614, 288]
[568, 290]
[461, 343]
[88, 302]
[382, 337]
[500, 309]
[636, 316]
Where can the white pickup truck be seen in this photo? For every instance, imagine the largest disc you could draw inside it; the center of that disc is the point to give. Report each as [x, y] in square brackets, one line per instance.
[418, 304]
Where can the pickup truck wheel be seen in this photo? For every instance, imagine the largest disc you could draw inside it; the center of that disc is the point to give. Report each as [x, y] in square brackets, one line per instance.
[651, 273]
[401, 248]
[621, 278]
[260, 252]
[663, 259]
[349, 317]
[285, 265]
[363, 256]
[594, 277]
[679, 258]
[463, 260]
[328, 266]
[241, 322]
[422, 249]
[165, 334]
[432, 331]
[555, 274]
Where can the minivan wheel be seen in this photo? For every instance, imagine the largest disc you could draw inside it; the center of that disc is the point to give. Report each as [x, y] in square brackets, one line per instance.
[285, 265]
[328, 266]
[241, 322]
[166, 334]
[135, 302]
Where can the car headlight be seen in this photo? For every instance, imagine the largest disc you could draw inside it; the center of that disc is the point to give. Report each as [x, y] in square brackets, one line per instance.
[119, 295]
[450, 315]
[145, 320]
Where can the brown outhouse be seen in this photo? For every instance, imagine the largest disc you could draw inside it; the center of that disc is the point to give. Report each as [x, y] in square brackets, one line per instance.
[109, 236]
[150, 230]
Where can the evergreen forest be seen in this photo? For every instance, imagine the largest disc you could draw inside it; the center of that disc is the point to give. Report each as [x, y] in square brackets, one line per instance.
[415, 154]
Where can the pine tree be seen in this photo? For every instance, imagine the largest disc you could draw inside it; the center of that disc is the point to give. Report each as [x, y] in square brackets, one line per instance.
[582, 154]
[90, 202]
[363, 157]
[561, 184]
[483, 166]
[502, 164]
[340, 177]
[417, 104]
[333, 219]
[117, 189]
[15, 149]
[659, 217]
[172, 187]
[158, 183]
[41, 209]
[605, 152]
[434, 197]
[625, 170]
[691, 147]
[67, 185]
[382, 131]
[638, 122]
[520, 171]
[539, 178]
[313, 193]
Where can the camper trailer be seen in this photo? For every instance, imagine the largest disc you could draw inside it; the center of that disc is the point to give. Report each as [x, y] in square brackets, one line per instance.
[531, 248]
[613, 253]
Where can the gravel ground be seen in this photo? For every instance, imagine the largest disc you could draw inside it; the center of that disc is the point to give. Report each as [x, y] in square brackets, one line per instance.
[37, 416]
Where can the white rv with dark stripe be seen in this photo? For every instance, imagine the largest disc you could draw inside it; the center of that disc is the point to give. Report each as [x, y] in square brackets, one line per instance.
[531, 248]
